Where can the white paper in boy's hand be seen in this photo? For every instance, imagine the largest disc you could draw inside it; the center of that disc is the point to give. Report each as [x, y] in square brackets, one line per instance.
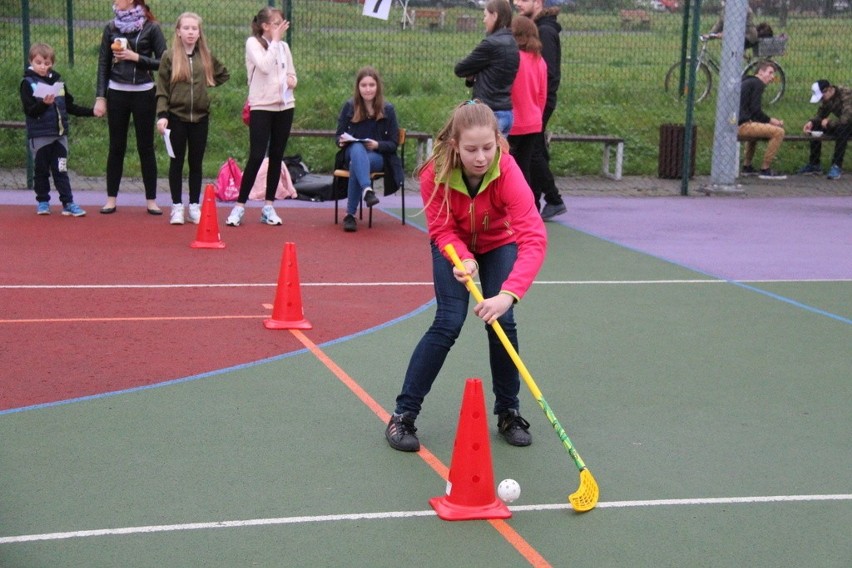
[289, 97]
[167, 138]
[43, 89]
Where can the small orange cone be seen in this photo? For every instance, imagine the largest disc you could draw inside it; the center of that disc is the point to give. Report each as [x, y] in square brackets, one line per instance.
[287, 312]
[470, 489]
[207, 236]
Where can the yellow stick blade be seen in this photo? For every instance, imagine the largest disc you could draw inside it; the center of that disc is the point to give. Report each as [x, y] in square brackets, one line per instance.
[586, 496]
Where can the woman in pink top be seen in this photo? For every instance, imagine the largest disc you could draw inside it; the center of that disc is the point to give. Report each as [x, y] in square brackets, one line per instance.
[529, 94]
[477, 200]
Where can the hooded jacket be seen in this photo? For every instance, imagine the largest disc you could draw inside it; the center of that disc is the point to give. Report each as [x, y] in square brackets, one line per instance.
[502, 212]
[45, 120]
[551, 51]
[839, 105]
[493, 64]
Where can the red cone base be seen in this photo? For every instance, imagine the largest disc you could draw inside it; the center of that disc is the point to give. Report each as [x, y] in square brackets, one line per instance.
[208, 228]
[287, 312]
[470, 489]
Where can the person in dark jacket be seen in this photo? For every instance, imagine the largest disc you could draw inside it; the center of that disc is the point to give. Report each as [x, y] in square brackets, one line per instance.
[131, 47]
[368, 135]
[835, 100]
[756, 124]
[183, 108]
[47, 128]
[492, 65]
[541, 178]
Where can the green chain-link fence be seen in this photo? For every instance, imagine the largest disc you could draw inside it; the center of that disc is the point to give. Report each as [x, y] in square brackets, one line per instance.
[616, 55]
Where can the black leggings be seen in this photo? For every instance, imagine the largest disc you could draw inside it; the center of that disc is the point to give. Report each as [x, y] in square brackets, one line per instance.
[268, 135]
[142, 106]
[192, 136]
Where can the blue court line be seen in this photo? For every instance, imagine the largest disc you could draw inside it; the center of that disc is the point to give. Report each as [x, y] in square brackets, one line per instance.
[740, 283]
[217, 372]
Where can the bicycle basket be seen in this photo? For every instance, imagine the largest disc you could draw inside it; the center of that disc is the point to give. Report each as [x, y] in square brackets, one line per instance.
[767, 46]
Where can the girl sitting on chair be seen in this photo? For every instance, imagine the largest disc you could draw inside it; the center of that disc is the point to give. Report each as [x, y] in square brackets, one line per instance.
[368, 135]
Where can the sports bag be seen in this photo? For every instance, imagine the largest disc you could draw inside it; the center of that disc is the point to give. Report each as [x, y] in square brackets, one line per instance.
[228, 181]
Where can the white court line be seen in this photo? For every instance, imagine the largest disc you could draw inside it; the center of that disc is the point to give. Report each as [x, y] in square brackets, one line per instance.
[405, 515]
[363, 284]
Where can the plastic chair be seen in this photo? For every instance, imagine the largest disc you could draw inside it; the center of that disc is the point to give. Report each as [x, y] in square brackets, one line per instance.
[342, 173]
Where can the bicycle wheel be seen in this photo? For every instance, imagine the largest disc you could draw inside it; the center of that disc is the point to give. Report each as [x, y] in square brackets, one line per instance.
[775, 89]
[703, 81]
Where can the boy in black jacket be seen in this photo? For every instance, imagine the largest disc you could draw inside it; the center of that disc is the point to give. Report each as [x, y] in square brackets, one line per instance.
[756, 124]
[47, 103]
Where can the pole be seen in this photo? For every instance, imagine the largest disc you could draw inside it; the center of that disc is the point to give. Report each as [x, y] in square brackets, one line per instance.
[690, 101]
[725, 166]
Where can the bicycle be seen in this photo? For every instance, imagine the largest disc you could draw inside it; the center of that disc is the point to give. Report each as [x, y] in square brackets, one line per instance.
[766, 50]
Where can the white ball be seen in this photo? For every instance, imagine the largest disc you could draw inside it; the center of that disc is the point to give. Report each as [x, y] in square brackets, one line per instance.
[508, 490]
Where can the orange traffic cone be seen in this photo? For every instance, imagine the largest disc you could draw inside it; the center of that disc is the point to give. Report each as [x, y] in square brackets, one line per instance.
[208, 229]
[470, 489]
[287, 312]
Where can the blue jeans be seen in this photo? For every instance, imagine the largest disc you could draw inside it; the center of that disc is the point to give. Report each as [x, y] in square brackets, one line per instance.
[361, 162]
[452, 299]
[505, 118]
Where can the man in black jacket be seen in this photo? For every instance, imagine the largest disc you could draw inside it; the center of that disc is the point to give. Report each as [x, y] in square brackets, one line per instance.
[756, 124]
[551, 50]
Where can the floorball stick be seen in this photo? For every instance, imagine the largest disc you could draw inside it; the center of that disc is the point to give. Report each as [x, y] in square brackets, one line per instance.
[586, 496]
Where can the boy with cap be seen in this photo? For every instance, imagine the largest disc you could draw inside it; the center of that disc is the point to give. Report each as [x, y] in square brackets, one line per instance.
[834, 100]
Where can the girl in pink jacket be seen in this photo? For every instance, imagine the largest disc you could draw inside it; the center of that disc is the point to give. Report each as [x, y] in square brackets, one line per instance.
[475, 198]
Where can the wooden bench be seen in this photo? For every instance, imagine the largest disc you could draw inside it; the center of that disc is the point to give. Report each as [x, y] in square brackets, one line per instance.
[17, 124]
[431, 17]
[635, 19]
[787, 138]
[424, 140]
[610, 144]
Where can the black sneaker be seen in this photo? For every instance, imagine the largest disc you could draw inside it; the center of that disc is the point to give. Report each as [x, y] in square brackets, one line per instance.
[769, 174]
[370, 198]
[401, 433]
[514, 428]
[350, 225]
[748, 171]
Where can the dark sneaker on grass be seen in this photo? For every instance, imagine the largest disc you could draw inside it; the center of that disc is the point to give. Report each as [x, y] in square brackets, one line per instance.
[514, 428]
[550, 211]
[370, 198]
[401, 433]
[769, 174]
[810, 169]
[748, 171]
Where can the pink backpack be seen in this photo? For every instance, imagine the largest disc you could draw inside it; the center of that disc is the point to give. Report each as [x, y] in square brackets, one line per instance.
[228, 181]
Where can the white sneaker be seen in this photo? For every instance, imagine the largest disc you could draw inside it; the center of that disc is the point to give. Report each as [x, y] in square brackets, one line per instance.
[176, 217]
[236, 216]
[269, 216]
[195, 213]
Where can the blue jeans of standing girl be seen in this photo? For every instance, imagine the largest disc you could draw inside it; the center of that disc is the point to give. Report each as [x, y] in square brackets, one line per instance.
[361, 162]
[453, 304]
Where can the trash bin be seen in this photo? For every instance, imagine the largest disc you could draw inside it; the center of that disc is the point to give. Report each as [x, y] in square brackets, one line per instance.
[672, 141]
[466, 23]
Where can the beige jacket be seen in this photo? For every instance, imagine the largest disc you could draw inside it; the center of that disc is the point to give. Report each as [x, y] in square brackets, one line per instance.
[267, 71]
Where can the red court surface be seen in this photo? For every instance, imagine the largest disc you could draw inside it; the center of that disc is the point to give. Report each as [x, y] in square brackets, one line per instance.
[106, 303]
